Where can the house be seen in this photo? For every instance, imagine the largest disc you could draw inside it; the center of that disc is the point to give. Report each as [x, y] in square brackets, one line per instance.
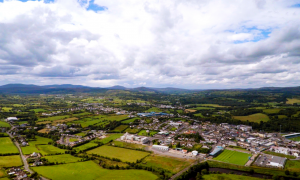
[12, 119]
[159, 147]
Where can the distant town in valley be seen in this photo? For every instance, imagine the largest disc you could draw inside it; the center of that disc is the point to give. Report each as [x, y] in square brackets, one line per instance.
[144, 133]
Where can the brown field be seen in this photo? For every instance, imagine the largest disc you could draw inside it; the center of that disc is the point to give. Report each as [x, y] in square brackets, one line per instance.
[190, 110]
[44, 131]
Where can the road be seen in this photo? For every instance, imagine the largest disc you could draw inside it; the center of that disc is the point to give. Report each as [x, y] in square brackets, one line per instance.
[26, 166]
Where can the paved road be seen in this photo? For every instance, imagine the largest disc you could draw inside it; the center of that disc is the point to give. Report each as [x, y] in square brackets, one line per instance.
[26, 166]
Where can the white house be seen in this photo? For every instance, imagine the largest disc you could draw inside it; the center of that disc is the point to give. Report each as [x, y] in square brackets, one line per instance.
[195, 153]
[12, 119]
[159, 147]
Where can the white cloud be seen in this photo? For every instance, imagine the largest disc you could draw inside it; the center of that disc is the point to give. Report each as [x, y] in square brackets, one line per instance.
[154, 43]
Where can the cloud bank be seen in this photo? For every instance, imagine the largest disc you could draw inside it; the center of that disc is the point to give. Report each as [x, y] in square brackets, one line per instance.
[179, 43]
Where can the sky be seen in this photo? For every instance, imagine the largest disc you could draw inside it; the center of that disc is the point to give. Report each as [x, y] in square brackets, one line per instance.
[194, 44]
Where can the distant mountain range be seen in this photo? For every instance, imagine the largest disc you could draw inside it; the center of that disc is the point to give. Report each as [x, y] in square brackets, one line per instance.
[69, 88]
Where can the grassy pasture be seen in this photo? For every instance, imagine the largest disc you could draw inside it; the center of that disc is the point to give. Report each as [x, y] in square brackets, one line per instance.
[198, 115]
[154, 109]
[271, 111]
[295, 138]
[54, 118]
[132, 131]
[171, 164]
[228, 177]
[144, 133]
[90, 171]
[9, 161]
[208, 105]
[128, 145]
[4, 124]
[120, 128]
[282, 116]
[33, 145]
[233, 157]
[109, 138]
[130, 120]
[81, 134]
[85, 146]
[253, 117]
[64, 158]
[6, 109]
[125, 155]
[201, 108]
[49, 149]
[292, 165]
[7, 146]
[39, 110]
[292, 101]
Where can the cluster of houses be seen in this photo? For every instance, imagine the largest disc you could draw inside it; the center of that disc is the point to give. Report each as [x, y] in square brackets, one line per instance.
[17, 173]
[134, 138]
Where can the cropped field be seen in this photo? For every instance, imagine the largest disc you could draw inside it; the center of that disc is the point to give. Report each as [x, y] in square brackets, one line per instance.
[292, 101]
[228, 177]
[85, 146]
[271, 111]
[64, 158]
[253, 118]
[190, 110]
[292, 165]
[233, 157]
[9, 161]
[171, 164]
[4, 124]
[7, 146]
[201, 108]
[126, 155]
[90, 171]
[144, 133]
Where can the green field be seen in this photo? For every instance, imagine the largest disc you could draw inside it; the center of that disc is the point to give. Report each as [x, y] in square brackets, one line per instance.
[81, 134]
[85, 146]
[7, 146]
[130, 120]
[207, 105]
[33, 145]
[90, 171]
[292, 165]
[132, 131]
[9, 161]
[120, 128]
[49, 149]
[64, 158]
[199, 115]
[109, 138]
[6, 109]
[201, 108]
[54, 118]
[282, 116]
[228, 177]
[233, 157]
[292, 101]
[271, 111]
[154, 109]
[171, 164]
[253, 117]
[128, 145]
[4, 124]
[126, 155]
[144, 133]
[39, 110]
[295, 138]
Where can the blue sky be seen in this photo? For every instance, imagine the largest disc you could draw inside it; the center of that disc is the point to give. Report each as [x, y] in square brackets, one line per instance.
[191, 44]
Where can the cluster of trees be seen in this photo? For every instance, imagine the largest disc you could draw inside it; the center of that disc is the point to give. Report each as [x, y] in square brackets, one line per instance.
[193, 171]
[197, 137]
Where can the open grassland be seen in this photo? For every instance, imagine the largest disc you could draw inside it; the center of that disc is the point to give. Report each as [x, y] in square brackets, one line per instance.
[90, 171]
[132, 130]
[81, 114]
[171, 164]
[53, 118]
[154, 109]
[2, 173]
[4, 178]
[233, 157]
[207, 105]
[4, 124]
[130, 120]
[33, 145]
[6, 109]
[10, 161]
[85, 146]
[228, 177]
[49, 149]
[202, 108]
[64, 158]
[7, 146]
[296, 115]
[199, 115]
[292, 165]
[271, 111]
[109, 138]
[253, 118]
[81, 134]
[128, 145]
[123, 154]
[282, 116]
[144, 133]
[39, 110]
[292, 101]
[295, 138]
[120, 128]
